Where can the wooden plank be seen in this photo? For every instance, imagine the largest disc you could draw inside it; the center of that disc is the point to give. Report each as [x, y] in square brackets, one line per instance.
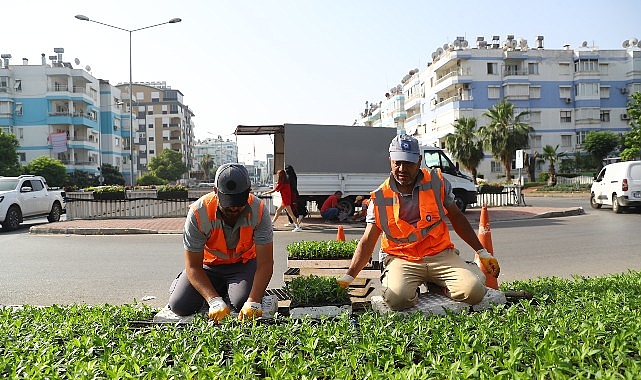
[338, 272]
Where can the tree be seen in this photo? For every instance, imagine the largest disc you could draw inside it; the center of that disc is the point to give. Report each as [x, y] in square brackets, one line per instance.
[464, 145]
[111, 175]
[504, 134]
[599, 144]
[9, 162]
[551, 155]
[168, 165]
[51, 169]
[631, 141]
[81, 179]
[530, 164]
[206, 163]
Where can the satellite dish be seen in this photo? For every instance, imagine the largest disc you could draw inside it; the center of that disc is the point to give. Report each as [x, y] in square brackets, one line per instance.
[584, 44]
[626, 44]
[77, 61]
[633, 41]
[456, 43]
[464, 43]
[88, 68]
[434, 55]
[445, 46]
[439, 51]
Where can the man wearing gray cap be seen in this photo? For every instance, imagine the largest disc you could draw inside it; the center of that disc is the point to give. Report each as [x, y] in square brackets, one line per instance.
[409, 210]
[229, 250]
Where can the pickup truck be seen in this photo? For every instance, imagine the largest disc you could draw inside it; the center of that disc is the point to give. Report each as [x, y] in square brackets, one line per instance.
[28, 197]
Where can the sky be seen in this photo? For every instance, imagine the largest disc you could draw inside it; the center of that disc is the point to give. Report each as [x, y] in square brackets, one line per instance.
[268, 62]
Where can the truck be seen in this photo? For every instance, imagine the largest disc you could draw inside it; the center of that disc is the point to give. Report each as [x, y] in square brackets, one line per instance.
[28, 197]
[328, 158]
[463, 185]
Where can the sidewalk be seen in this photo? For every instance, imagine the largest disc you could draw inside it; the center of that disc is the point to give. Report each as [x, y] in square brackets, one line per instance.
[314, 222]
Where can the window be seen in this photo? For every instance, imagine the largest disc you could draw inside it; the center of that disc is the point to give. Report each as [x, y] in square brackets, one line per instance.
[586, 65]
[496, 167]
[603, 68]
[22, 157]
[4, 82]
[18, 111]
[151, 138]
[533, 68]
[151, 151]
[150, 126]
[17, 85]
[564, 68]
[164, 109]
[586, 89]
[535, 141]
[580, 137]
[173, 108]
[155, 97]
[493, 92]
[21, 133]
[171, 95]
[535, 92]
[141, 115]
[566, 140]
[605, 116]
[605, 92]
[492, 68]
[139, 96]
[565, 92]
[566, 116]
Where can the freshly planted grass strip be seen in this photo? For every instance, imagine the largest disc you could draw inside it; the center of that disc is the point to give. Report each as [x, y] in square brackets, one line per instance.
[579, 328]
[332, 249]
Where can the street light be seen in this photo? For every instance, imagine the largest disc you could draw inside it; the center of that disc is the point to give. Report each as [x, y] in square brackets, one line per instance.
[131, 108]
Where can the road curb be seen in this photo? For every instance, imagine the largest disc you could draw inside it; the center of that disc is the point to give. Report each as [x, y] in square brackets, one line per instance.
[94, 231]
[557, 214]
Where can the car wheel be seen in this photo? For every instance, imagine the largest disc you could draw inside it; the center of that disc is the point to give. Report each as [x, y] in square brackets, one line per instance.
[616, 207]
[460, 203]
[348, 207]
[593, 202]
[56, 211]
[12, 220]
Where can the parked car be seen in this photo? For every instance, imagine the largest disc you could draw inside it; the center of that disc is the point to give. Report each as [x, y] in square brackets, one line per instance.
[617, 185]
[28, 197]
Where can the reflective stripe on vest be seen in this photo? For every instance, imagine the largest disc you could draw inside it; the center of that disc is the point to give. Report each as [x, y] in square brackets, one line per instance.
[398, 233]
[216, 250]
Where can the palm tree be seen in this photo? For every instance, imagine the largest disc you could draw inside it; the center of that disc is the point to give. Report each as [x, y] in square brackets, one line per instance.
[550, 154]
[505, 133]
[206, 163]
[464, 145]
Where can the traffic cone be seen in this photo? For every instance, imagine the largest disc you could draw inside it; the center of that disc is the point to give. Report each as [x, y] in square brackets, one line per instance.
[340, 235]
[485, 236]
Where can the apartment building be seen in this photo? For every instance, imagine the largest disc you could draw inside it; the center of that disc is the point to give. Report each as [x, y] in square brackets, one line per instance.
[220, 150]
[568, 92]
[161, 121]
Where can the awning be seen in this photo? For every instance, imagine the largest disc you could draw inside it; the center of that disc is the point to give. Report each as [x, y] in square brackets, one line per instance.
[249, 130]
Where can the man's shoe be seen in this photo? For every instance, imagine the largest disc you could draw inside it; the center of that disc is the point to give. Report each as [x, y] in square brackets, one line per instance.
[288, 224]
[297, 229]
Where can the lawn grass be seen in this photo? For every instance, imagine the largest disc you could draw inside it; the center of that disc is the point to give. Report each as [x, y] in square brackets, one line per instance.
[577, 328]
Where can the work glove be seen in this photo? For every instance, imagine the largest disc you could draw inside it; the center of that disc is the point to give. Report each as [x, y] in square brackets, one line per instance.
[250, 310]
[345, 281]
[217, 309]
[489, 262]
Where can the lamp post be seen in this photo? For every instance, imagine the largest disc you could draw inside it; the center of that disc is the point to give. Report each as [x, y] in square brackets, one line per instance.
[131, 108]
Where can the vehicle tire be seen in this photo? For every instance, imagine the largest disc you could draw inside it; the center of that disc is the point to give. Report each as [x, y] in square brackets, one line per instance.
[12, 219]
[56, 211]
[347, 206]
[460, 203]
[593, 202]
[616, 207]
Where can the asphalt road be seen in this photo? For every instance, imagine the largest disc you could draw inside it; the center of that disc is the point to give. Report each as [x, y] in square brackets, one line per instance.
[63, 269]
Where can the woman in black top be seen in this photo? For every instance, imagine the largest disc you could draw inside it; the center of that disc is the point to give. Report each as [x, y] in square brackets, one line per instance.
[299, 210]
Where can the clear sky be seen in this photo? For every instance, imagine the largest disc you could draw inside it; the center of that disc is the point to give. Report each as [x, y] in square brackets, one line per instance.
[289, 61]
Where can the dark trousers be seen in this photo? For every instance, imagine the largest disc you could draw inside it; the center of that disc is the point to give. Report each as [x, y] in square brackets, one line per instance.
[233, 282]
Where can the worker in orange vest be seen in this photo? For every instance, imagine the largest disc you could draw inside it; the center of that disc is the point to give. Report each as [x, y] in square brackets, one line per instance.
[409, 210]
[228, 250]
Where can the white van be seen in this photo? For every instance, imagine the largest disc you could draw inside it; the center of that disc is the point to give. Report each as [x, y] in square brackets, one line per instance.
[462, 185]
[617, 185]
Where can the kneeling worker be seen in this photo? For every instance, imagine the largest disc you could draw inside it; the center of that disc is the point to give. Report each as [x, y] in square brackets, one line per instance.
[229, 250]
[409, 209]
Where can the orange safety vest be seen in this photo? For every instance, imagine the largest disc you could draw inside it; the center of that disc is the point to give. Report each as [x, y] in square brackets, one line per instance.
[431, 234]
[216, 251]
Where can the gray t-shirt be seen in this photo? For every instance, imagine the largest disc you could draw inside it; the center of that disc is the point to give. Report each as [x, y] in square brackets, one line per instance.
[409, 208]
[194, 240]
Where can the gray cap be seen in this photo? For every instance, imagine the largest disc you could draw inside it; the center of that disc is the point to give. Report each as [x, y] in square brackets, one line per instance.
[233, 185]
[404, 148]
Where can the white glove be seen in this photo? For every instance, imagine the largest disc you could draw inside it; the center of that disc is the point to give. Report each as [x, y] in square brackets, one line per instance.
[217, 309]
[345, 281]
[489, 262]
[250, 310]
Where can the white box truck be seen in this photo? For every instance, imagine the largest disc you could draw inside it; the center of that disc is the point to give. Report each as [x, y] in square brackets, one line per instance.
[463, 186]
[327, 158]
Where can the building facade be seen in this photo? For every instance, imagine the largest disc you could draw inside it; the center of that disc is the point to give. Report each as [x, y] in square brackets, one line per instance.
[220, 150]
[63, 112]
[567, 92]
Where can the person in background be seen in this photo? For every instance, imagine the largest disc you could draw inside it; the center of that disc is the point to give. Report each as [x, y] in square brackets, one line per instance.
[409, 210]
[297, 209]
[361, 202]
[282, 186]
[229, 250]
[330, 209]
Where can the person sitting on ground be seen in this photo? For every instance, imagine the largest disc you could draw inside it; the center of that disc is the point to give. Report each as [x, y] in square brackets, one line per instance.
[362, 202]
[330, 209]
[282, 186]
[229, 250]
[409, 209]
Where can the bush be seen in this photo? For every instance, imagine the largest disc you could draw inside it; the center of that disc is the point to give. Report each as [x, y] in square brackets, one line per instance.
[331, 249]
[150, 179]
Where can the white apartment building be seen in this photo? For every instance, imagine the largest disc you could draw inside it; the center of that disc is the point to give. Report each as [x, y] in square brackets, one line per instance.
[567, 92]
[59, 110]
[222, 151]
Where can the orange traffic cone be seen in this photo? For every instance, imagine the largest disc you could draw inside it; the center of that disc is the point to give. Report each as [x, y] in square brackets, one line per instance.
[340, 235]
[485, 236]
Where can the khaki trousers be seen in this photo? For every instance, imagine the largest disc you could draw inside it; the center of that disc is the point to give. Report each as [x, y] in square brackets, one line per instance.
[401, 279]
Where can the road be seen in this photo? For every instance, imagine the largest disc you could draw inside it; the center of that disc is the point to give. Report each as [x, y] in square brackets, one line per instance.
[62, 269]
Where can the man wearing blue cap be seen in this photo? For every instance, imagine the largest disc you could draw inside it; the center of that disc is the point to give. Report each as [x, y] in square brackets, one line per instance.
[229, 250]
[409, 210]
